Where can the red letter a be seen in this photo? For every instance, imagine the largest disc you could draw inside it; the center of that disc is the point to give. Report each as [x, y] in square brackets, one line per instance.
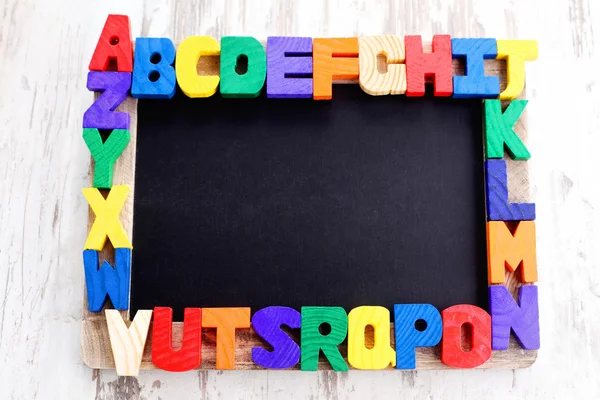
[114, 45]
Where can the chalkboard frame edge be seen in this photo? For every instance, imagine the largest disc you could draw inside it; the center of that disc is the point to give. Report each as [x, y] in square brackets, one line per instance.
[95, 341]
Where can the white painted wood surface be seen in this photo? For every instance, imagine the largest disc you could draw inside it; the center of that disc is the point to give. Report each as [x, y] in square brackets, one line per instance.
[45, 47]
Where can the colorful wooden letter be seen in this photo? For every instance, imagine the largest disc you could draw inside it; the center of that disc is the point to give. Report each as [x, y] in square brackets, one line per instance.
[381, 354]
[515, 52]
[424, 66]
[107, 222]
[453, 318]
[496, 192]
[267, 324]
[226, 321]
[128, 343]
[523, 318]
[312, 340]
[114, 45]
[153, 72]
[188, 55]
[499, 132]
[474, 84]
[105, 154]
[189, 356]
[106, 280]
[511, 250]
[289, 67]
[409, 335]
[101, 114]
[236, 82]
[333, 59]
[376, 83]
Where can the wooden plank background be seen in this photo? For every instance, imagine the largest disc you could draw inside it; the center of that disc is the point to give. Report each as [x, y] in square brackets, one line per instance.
[44, 51]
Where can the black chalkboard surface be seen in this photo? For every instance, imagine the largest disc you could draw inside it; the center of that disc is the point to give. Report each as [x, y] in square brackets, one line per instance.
[358, 201]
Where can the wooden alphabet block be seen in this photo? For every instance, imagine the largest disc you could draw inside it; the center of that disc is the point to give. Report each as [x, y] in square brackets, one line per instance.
[234, 81]
[186, 62]
[436, 65]
[128, 343]
[523, 318]
[515, 52]
[410, 335]
[105, 154]
[106, 280]
[312, 340]
[107, 224]
[267, 324]
[499, 132]
[114, 45]
[381, 354]
[371, 80]
[102, 114]
[333, 59]
[511, 250]
[289, 67]
[189, 356]
[474, 84]
[153, 72]
[453, 318]
[496, 192]
[226, 321]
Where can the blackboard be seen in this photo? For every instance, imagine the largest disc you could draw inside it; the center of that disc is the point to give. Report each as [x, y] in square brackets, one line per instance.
[358, 201]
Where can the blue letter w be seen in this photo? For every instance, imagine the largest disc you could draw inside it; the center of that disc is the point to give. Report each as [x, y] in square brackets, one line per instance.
[107, 280]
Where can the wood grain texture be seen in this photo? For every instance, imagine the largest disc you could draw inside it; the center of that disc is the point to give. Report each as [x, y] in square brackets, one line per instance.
[267, 323]
[186, 357]
[374, 81]
[226, 322]
[124, 171]
[498, 206]
[475, 84]
[153, 74]
[408, 337]
[114, 45]
[511, 250]
[380, 354]
[106, 221]
[492, 68]
[127, 341]
[45, 51]
[499, 132]
[428, 65]
[103, 281]
[289, 77]
[521, 317]
[114, 88]
[189, 52]
[236, 82]
[518, 172]
[247, 339]
[323, 331]
[516, 53]
[105, 154]
[479, 340]
[334, 59]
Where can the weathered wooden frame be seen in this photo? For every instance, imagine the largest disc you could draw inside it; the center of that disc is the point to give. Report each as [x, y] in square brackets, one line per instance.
[95, 341]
